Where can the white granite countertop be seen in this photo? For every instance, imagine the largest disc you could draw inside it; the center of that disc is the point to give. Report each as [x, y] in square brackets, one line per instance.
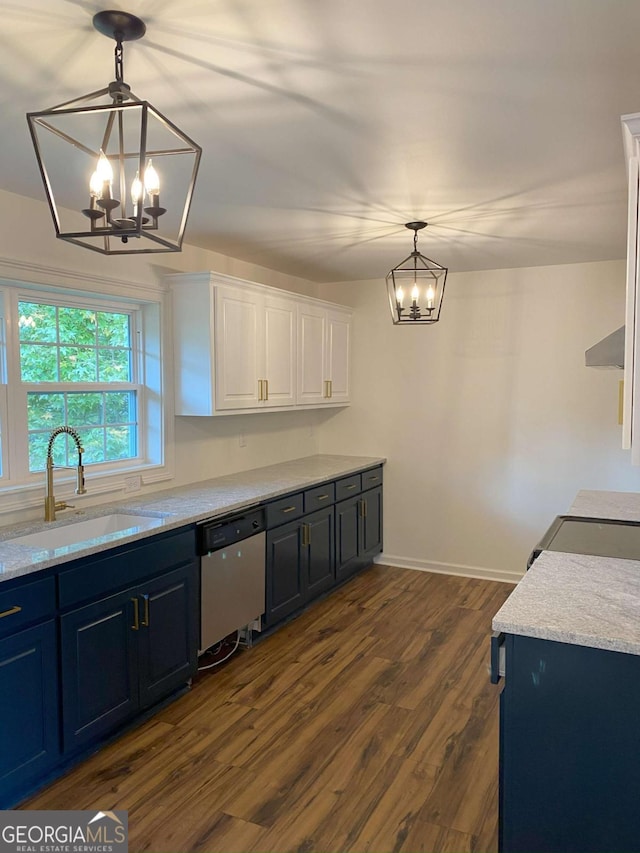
[624, 506]
[574, 598]
[175, 508]
[581, 599]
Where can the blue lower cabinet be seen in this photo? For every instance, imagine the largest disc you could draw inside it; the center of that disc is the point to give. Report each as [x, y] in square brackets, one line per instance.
[569, 749]
[168, 638]
[99, 668]
[125, 653]
[300, 563]
[358, 532]
[285, 570]
[29, 715]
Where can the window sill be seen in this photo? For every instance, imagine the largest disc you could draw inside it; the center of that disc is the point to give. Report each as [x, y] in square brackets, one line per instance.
[30, 496]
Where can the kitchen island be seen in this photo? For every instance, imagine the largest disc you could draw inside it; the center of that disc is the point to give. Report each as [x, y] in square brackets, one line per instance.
[569, 733]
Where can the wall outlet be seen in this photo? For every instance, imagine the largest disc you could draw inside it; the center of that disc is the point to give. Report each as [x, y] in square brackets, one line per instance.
[133, 483]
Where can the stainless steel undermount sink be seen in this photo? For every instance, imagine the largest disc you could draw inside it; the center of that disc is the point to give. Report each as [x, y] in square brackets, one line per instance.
[81, 531]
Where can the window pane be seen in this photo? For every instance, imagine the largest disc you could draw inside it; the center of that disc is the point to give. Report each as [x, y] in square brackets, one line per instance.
[45, 411]
[84, 409]
[77, 364]
[36, 322]
[77, 326]
[38, 363]
[114, 365]
[113, 330]
[120, 442]
[38, 442]
[93, 443]
[120, 407]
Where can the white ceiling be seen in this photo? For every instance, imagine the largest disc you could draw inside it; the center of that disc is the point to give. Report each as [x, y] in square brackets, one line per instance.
[327, 124]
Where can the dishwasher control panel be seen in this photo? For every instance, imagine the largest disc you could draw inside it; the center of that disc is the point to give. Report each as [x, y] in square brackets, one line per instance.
[219, 533]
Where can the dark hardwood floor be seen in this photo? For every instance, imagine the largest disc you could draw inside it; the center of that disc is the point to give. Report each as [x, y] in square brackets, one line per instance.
[367, 724]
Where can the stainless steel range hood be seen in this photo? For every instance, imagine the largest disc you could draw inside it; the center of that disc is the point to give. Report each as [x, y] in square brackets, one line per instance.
[609, 352]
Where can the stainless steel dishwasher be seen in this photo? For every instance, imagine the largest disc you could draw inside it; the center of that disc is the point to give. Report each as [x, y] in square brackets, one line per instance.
[232, 574]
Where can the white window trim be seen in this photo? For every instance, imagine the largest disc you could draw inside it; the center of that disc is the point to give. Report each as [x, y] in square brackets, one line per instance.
[156, 461]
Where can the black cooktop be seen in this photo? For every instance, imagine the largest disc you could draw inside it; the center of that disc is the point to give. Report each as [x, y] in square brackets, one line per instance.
[596, 536]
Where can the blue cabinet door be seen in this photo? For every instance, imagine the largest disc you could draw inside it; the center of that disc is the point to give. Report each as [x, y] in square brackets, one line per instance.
[285, 572]
[570, 741]
[320, 560]
[371, 513]
[348, 538]
[29, 718]
[168, 638]
[99, 668]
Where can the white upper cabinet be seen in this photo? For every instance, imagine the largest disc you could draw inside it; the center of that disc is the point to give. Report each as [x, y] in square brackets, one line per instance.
[236, 347]
[324, 346]
[631, 406]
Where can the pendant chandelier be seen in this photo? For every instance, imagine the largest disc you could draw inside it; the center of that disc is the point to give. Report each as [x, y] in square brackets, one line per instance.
[416, 285]
[105, 157]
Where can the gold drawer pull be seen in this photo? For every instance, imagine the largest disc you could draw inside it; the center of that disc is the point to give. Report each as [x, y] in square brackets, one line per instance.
[289, 509]
[374, 478]
[145, 617]
[322, 498]
[10, 611]
[351, 487]
[306, 535]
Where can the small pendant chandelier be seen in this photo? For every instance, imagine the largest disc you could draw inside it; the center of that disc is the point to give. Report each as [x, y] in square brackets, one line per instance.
[104, 157]
[416, 285]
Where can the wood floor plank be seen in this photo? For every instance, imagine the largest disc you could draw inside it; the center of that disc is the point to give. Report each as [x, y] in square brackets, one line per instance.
[366, 724]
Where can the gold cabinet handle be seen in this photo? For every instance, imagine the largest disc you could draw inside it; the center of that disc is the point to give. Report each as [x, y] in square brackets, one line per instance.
[322, 498]
[10, 611]
[136, 615]
[260, 392]
[289, 509]
[326, 389]
[351, 487]
[331, 388]
[145, 615]
[306, 535]
[266, 389]
[363, 508]
[373, 479]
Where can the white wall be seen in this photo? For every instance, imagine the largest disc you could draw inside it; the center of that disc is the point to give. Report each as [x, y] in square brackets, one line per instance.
[489, 419]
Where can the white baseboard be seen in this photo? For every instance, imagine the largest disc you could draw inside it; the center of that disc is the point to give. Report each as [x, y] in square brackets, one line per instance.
[449, 568]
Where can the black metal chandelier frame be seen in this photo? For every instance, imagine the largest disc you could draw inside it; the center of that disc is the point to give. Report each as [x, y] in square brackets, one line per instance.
[415, 270]
[112, 224]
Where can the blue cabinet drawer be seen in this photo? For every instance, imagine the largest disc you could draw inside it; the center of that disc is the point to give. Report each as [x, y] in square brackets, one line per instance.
[285, 509]
[371, 478]
[319, 497]
[348, 486]
[25, 604]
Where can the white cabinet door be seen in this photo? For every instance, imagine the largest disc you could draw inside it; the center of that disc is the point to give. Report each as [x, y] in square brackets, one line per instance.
[239, 345]
[279, 371]
[338, 351]
[312, 385]
[324, 345]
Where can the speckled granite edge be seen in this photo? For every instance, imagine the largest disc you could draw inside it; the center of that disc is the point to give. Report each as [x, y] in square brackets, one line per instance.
[624, 506]
[579, 599]
[178, 507]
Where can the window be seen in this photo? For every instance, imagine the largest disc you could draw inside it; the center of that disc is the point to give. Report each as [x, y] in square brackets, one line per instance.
[79, 368]
[90, 362]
